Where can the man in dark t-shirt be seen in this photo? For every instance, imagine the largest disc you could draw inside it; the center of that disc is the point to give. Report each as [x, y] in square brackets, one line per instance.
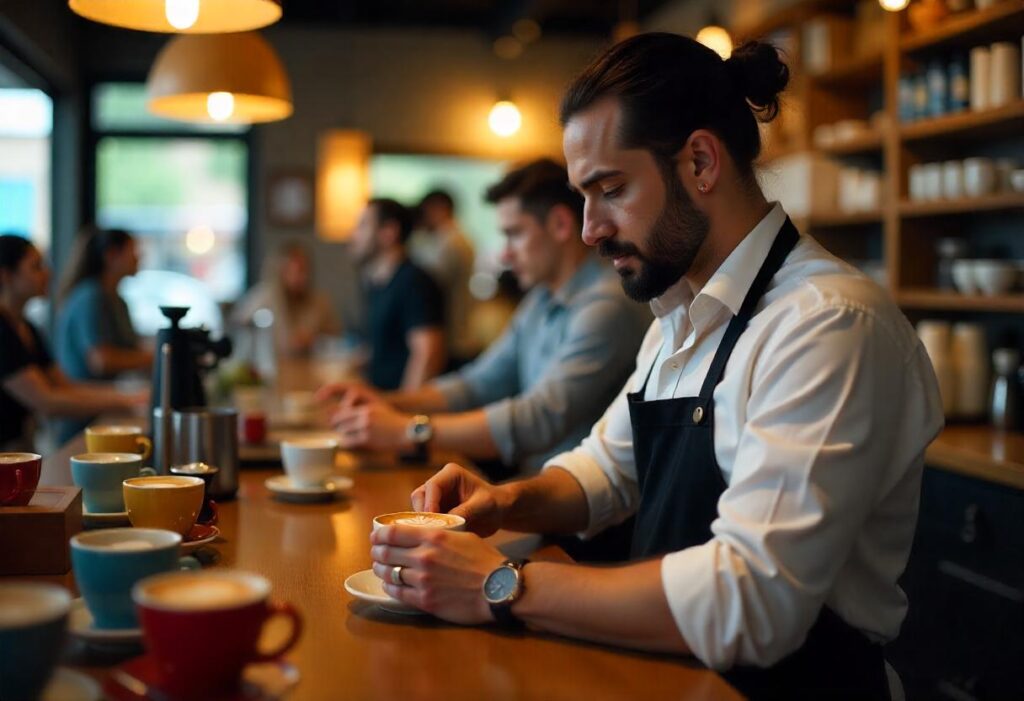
[404, 305]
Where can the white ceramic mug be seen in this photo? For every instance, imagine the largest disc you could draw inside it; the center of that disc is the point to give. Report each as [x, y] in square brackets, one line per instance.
[953, 180]
[308, 462]
[979, 177]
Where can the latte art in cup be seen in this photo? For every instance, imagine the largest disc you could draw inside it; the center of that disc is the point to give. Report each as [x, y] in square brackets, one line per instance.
[421, 519]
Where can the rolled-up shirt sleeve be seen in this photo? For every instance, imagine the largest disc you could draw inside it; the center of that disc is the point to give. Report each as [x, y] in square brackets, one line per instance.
[587, 361]
[829, 397]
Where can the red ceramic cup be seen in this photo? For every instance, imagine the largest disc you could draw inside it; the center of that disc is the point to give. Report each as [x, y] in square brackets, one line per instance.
[202, 628]
[254, 427]
[19, 477]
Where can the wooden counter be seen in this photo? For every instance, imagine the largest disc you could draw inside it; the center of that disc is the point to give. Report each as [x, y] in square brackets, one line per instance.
[980, 452]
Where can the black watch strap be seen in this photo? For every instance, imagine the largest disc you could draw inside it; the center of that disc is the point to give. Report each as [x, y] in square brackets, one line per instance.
[503, 612]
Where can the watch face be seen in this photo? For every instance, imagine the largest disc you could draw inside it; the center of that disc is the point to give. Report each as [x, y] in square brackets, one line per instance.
[500, 585]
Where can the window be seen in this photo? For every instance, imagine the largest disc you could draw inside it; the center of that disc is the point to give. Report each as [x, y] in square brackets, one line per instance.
[26, 121]
[182, 190]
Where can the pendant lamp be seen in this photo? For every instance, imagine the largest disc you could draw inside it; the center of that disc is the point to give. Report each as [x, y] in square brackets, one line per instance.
[186, 16]
[219, 79]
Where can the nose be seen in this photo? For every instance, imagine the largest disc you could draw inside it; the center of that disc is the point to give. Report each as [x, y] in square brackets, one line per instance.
[595, 227]
[506, 255]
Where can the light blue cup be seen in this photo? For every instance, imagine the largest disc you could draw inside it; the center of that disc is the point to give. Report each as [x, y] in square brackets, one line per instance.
[100, 475]
[109, 562]
[33, 620]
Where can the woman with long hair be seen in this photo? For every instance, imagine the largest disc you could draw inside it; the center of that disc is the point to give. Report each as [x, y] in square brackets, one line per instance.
[31, 384]
[301, 312]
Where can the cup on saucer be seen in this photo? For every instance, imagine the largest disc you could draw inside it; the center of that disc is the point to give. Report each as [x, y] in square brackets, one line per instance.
[308, 462]
[207, 473]
[100, 475]
[109, 562]
[224, 609]
[33, 619]
[117, 439]
[170, 502]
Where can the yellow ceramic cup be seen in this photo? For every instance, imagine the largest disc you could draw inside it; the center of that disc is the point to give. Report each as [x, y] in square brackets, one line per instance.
[169, 502]
[117, 439]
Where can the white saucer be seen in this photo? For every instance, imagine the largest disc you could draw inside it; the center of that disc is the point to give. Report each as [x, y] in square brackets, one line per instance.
[367, 586]
[104, 519]
[81, 625]
[284, 489]
[69, 685]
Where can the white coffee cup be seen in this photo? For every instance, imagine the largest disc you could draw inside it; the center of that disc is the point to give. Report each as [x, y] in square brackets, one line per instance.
[994, 277]
[915, 181]
[420, 519]
[931, 175]
[963, 277]
[953, 180]
[308, 462]
[979, 177]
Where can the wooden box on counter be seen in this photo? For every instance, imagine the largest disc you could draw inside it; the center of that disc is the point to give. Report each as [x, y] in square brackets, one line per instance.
[34, 538]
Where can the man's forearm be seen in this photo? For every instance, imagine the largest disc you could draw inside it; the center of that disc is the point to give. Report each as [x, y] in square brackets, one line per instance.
[466, 432]
[425, 400]
[551, 502]
[623, 606]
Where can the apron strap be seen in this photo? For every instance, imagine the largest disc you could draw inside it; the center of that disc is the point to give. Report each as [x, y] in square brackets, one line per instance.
[784, 243]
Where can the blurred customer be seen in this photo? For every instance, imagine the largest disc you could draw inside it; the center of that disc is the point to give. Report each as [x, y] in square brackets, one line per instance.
[540, 387]
[31, 385]
[441, 248]
[95, 339]
[404, 310]
[301, 313]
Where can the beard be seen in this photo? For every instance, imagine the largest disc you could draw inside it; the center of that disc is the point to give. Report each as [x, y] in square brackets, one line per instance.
[672, 242]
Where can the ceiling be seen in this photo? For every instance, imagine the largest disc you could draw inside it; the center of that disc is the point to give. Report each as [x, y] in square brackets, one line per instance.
[494, 17]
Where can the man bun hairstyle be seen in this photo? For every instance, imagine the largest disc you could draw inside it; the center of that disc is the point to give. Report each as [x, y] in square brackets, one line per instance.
[668, 86]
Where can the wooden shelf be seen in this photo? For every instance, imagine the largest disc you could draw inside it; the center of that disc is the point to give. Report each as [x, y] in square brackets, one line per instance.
[858, 72]
[968, 205]
[951, 301]
[1003, 20]
[794, 14]
[981, 452]
[862, 145]
[1007, 120]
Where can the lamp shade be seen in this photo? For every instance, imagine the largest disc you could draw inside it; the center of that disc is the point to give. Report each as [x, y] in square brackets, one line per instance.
[188, 16]
[219, 79]
[342, 181]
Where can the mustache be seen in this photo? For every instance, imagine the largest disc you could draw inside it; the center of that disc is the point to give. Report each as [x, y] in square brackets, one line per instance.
[610, 248]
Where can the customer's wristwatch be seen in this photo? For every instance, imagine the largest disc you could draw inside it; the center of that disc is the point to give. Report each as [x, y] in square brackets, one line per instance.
[420, 430]
[502, 588]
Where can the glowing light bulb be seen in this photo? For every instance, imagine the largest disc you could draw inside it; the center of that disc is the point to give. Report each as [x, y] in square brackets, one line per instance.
[220, 105]
[200, 239]
[893, 5]
[182, 14]
[505, 119]
[717, 39]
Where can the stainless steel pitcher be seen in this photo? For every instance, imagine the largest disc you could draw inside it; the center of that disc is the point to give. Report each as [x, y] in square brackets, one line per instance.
[210, 435]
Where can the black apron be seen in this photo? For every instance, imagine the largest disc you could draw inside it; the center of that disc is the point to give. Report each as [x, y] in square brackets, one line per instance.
[680, 483]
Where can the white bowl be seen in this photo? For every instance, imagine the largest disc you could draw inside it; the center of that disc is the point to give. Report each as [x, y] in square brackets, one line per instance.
[994, 277]
[963, 277]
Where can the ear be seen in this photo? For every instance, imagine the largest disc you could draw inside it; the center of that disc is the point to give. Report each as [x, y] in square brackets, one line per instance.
[700, 162]
[560, 222]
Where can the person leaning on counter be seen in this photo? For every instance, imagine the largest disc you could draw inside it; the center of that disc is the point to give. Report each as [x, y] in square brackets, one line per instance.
[536, 390]
[770, 441]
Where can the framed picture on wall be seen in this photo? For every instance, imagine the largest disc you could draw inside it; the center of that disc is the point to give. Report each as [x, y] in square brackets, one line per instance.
[290, 198]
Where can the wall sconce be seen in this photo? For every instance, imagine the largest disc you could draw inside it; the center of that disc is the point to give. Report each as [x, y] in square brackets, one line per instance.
[191, 16]
[505, 118]
[342, 182]
[219, 78]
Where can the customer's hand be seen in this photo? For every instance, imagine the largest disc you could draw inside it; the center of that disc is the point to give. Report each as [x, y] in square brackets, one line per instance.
[456, 490]
[347, 394]
[372, 424]
[443, 572]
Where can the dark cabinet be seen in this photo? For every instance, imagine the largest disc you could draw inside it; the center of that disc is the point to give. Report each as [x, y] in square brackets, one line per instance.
[964, 633]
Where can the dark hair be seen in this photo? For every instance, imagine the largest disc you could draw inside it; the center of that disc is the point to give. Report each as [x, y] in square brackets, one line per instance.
[440, 196]
[668, 86]
[389, 210]
[539, 185]
[88, 257]
[13, 249]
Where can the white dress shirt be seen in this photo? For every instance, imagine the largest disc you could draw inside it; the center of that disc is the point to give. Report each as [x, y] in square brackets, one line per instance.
[821, 421]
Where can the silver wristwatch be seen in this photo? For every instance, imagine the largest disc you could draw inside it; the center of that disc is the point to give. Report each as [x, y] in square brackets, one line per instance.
[420, 430]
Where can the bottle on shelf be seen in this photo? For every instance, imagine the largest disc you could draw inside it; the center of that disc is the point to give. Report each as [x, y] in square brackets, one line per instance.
[1005, 396]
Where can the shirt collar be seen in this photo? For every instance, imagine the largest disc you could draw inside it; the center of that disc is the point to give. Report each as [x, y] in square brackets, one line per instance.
[729, 284]
[589, 270]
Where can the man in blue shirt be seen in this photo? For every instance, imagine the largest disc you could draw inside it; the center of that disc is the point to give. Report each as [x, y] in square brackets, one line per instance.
[540, 387]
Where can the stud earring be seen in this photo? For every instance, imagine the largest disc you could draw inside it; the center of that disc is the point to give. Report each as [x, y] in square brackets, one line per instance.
[702, 187]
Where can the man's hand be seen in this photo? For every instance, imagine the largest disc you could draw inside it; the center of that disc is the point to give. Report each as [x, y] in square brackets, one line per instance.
[373, 425]
[347, 394]
[443, 571]
[456, 490]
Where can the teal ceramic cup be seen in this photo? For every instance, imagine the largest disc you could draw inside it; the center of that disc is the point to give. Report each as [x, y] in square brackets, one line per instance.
[33, 620]
[109, 562]
[100, 475]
